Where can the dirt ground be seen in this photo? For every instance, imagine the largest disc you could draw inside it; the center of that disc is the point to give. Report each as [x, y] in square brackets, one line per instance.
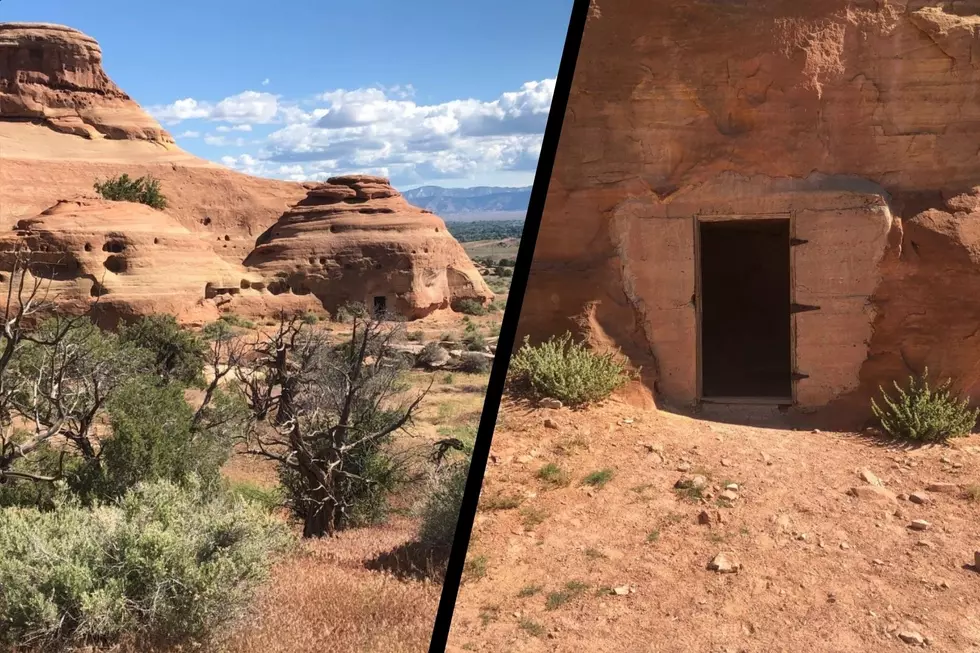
[557, 564]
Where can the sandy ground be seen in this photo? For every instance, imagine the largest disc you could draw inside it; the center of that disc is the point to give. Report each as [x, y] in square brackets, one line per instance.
[560, 565]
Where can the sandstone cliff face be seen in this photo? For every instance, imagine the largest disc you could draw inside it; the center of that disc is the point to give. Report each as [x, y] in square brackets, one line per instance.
[53, 74]
[64, 124]
[858, 119]
[356, 239]
[130, 259]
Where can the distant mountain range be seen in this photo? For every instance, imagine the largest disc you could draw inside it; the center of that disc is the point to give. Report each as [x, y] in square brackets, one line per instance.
[478, 203]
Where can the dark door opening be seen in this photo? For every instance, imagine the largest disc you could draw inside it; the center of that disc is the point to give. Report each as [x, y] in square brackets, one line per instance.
[380, 306]
[745, 309]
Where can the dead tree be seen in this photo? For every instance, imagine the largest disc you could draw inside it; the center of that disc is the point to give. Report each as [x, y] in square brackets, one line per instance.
[325, 409]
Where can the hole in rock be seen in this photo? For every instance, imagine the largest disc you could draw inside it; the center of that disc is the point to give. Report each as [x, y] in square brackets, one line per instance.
[745, 309]
[380, 305]
[88, 247]
[116, 264]
[114, 246]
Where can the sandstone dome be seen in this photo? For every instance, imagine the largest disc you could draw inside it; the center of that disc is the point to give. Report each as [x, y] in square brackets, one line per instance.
[356, 239]
[129, 258]
[64, 124]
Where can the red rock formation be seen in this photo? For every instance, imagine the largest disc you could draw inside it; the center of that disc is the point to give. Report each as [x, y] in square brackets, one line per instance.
[355, 238]
[64, 125]
[857, 119]
[132, 259]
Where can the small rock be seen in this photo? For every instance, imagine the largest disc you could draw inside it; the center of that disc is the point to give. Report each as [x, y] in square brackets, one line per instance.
[524, 460]
[976, 561]
[911, 637]
[553, 404]
[704, 517]
[725, 462]
[920, 498]
[903, 497]
[801, 537]
[723, 565]
[872, 492]
[728, 495]
[621, 591]
[684, 467]
[870, 478]
[695, 482]
[732, 486]
[845, 546]
[878, 562]
[943, 488]
[550, 424]
[920, 525]
[924, 543]
[766, 458]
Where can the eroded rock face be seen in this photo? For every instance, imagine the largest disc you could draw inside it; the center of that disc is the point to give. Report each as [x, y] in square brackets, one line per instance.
[53, 74]
[857, 120]
[131, 259]
[356, 239]
[65, 125]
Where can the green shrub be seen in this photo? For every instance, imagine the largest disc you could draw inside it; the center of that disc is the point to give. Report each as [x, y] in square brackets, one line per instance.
[475, 341]
[145, 190]
[178, 354]
[923, 414]
[415, 336]
[470, 307]
[310, 317]
[441, 510]
[268, 498]
[473, 363]
[165, 565]
[151, 440]
[237, 321]
[566, 370]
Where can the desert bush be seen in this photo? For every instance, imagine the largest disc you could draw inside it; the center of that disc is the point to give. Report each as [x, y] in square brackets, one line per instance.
[924, 414]
[144, 190]
[233, 320]
[470, 307]
[473, 363]
[475, 341]
[441, 510]
[268, 498]
[566, 370]
[349, 312]
[415, 336]
[310, 318]
[178, 354]
[162, 566]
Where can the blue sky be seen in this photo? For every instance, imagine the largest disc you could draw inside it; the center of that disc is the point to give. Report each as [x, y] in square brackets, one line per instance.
[451, 92]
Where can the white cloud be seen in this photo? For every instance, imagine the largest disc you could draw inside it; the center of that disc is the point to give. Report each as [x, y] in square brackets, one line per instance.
[248, 107]
[189, 134]
[265, 82]
[380, 131]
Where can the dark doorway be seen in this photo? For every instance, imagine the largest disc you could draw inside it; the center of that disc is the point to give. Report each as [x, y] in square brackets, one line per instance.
[380, 306]
[745, 309]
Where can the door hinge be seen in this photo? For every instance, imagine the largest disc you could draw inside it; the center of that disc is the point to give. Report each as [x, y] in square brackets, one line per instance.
[797, 376]
[793, 242]
[802, 308]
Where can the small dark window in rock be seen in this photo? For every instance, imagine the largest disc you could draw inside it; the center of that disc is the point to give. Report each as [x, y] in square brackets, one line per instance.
[380, 305]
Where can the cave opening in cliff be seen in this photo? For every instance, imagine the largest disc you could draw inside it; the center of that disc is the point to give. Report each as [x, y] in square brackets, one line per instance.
[380, 305]
[745, 324]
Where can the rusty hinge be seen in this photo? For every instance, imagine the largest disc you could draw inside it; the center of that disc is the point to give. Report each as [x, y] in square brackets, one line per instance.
[802, 308]
[793, 242]
[797, 376]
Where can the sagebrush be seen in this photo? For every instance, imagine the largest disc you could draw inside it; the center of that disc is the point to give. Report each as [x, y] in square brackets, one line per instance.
[144, 190]
[163, 565]
[924, 414]
[569, 371]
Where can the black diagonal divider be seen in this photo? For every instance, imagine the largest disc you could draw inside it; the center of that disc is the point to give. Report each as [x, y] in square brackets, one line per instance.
[508, 328]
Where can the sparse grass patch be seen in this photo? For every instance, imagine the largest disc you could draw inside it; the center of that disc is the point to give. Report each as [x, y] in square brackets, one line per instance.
[476, 567]
[594, 554]
[489, 613]
[237, 321]
[554, 475]
[599, 478]
[532, 628]
[692, 494]
[415, 336]
[972, 493]
[529, 590]
[533, 516]
[449, 379]
[924, 414]
[471, 307]
[501, 502]
[653, 536]
[559, 598]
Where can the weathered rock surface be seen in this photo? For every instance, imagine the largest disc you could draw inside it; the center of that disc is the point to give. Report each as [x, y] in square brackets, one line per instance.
[131, 259]
[857, 118]
[356, 239]
[64, 125]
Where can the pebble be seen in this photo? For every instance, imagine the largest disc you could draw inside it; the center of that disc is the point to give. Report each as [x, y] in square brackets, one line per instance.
[725, 462]
[919, 497]
[553, 404]
[723, 565]
[732, 486]
[920, 525]
[524, 460]
[845, 546]
[704, 517]
[621, 591]
[684, 467]
[944, 488]
[872, 492]
[911, 637]
[550, 424]
[870, 478]
[728, 495]
[691, 482]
